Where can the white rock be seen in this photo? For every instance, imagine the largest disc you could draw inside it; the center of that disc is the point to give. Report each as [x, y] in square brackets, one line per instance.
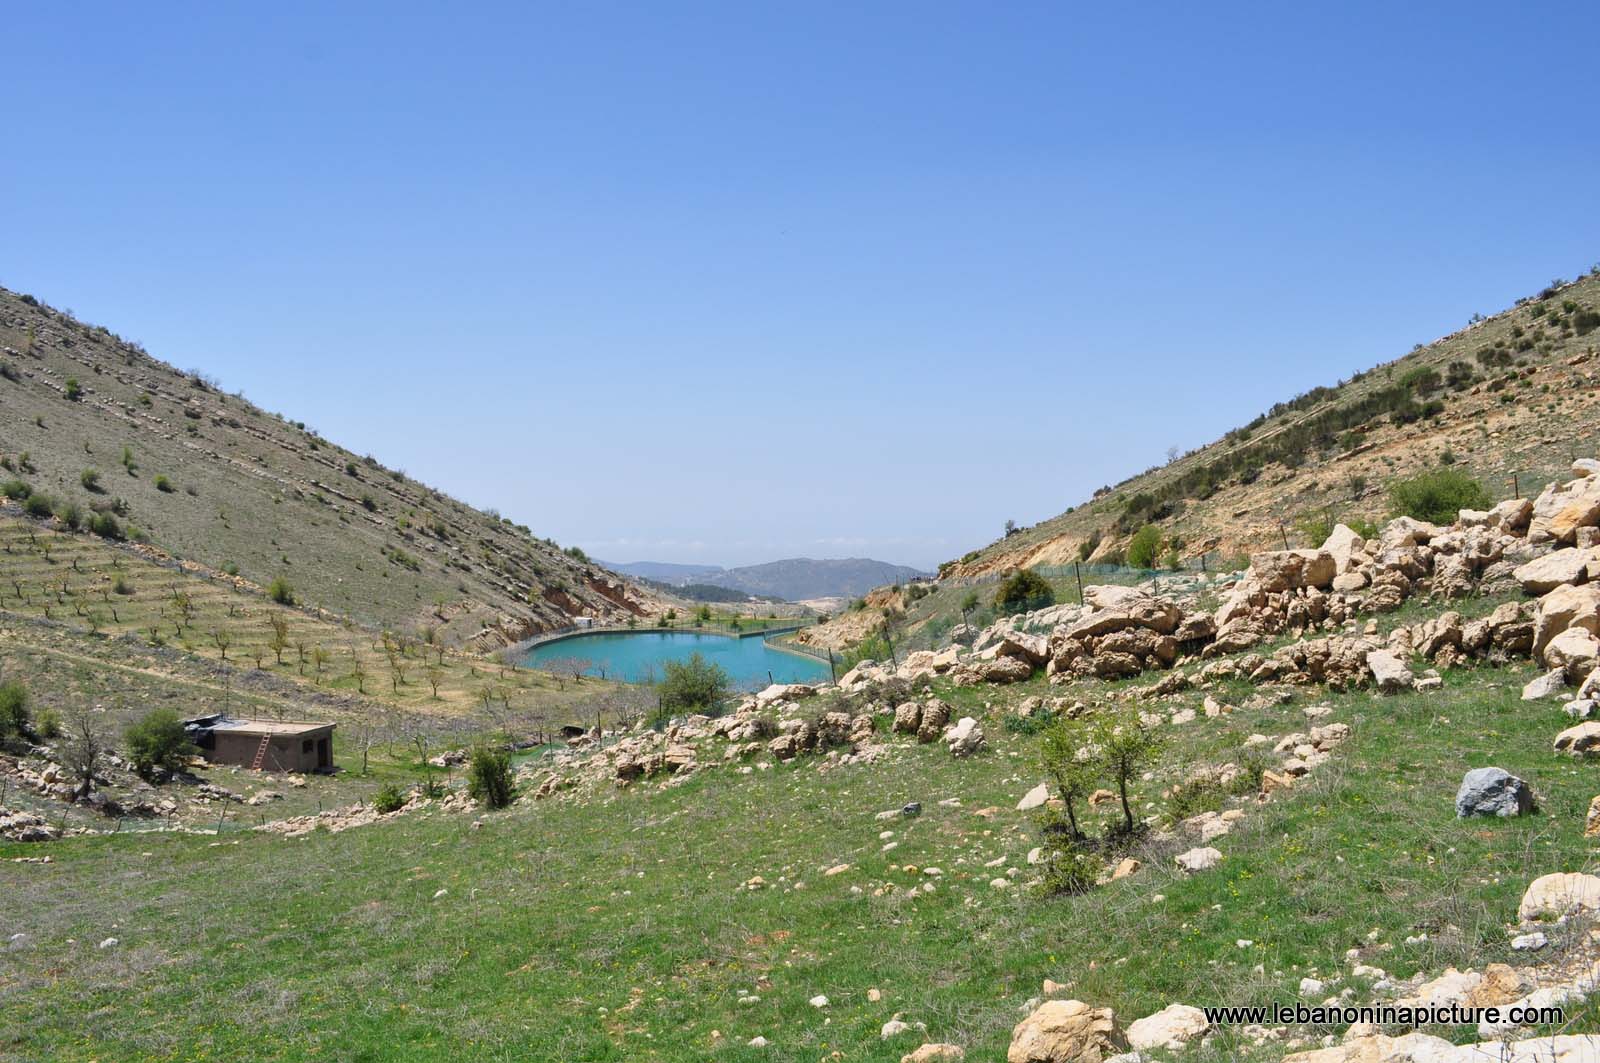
[1172, 1027]
[1034, 798]
[1200, 859]
[819, 1001]
[1530, 942]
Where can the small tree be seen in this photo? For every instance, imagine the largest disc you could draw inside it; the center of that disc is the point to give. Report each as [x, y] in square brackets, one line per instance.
[1438, 496]
[14, 714]
[692, 684]
[82, 753]
[158, 743]
[489, 778]
[1073, 775]
[223, 638]
[1022, 591]
[280, 591]
[280, 635]
[1145, 547]
[969, 602]
[388, 799]
[1123, 747]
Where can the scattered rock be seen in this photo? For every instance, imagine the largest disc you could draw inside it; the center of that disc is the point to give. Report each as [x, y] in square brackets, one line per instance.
[1172, 1027]
[1201, 859]
[1560, 894]
[1493, 792]
[1066, 1031]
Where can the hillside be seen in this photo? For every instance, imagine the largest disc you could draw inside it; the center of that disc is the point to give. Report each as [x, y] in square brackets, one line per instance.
[1516, 394]
[793, 579]
[208, 477]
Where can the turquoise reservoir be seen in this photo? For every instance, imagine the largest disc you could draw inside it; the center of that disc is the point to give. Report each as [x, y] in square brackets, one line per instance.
[639, 656]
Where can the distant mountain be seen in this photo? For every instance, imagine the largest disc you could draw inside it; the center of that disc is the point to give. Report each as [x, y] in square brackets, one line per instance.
[662, 571]
[793, 579]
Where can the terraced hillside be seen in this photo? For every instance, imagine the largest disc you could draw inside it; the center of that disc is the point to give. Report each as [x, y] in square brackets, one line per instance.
[89, 418]
[1515, 395]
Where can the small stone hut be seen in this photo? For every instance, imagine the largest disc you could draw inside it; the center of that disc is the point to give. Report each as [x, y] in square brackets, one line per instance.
[264, 745]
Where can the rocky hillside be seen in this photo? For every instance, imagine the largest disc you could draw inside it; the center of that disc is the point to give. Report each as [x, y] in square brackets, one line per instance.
[1509, 396]
[91, 419]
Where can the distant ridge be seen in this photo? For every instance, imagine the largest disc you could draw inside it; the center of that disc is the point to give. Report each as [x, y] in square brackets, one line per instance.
[792, 579]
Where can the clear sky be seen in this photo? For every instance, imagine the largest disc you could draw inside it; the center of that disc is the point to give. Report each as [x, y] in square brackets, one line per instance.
[732, 282]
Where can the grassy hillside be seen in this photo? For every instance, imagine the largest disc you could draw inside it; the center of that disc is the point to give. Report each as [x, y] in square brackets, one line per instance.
[624, 925]
[1512, 395]
[89, 418]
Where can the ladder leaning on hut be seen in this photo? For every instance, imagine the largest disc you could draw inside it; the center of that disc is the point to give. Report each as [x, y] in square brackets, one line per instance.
[261, 753]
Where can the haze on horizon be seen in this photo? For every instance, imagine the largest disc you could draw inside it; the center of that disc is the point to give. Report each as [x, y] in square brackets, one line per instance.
[723, 285]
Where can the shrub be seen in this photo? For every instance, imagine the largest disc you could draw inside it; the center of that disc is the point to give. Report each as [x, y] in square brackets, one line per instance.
[1124, 746]
[158, 742]
[489, 777]
[388, 799]
[69, 514]
[692, 684]
[369, 503]
[1072, 775]
[1437, 496]
[280, 591]
[163, 484]
[105, 526]
[39, 505]
[47, 725]
[1022, 591]
[1069, 867]
[15, 490]
[90, 479]
[871, 648]
[74, 389]
[1315, 527]
[1145, 547]
[14, 715]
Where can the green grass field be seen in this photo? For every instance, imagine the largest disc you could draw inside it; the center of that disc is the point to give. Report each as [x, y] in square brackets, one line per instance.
[618, 927]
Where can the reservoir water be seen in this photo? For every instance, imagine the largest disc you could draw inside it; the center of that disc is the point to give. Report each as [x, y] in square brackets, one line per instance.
[639, 656]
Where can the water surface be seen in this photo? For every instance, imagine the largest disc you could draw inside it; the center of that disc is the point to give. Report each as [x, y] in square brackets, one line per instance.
[639, 656]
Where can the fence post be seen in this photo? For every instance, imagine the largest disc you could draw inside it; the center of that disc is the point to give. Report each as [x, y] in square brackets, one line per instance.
[832, 671]
[1285, 533]
[1077, 571]
[1516, 490]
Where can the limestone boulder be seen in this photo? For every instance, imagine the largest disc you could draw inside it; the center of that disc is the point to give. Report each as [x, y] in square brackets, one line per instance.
[1287, 570]
[1575, 652]
[1565, 607]
[1389, 672]
[1066, 1031]
[1559, 894]
[1346, 547]
[1545, 574]
[965, 738]
[1170, 1028]
[1579, 739]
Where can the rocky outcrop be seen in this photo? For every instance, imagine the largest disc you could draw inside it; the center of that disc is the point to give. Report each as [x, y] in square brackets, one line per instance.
[1066, 1031]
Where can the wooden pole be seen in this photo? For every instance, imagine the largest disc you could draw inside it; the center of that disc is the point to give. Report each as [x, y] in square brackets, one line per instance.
[1285, 533]
[832, 671]
[1077, 571]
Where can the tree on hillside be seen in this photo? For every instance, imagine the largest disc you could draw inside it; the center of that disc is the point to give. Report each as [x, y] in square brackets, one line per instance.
[1022, 591]
[1123, 747]
[1145, 547]
[158, 743]
[1073, 776]
[1438, 496]
[82, 752]
[692, 684]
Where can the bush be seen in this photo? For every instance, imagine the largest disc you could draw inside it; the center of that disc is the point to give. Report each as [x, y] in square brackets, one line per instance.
[280, 591]
[1022, 591]
[1145, 547]
[69, 514]
[90, 479]
[163, 484]
[74, 389]
[14, 716]
[388, 799]
[158, 742]
[692, 684]
[1315, 527]
[1069, 867]
[47, 725]
[871, 648]
[489, 777]
[38, 505]
[105, 526]
[15, 490]
[1438, 495]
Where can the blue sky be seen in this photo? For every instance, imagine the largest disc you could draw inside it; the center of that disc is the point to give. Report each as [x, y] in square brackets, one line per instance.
[726, 283]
